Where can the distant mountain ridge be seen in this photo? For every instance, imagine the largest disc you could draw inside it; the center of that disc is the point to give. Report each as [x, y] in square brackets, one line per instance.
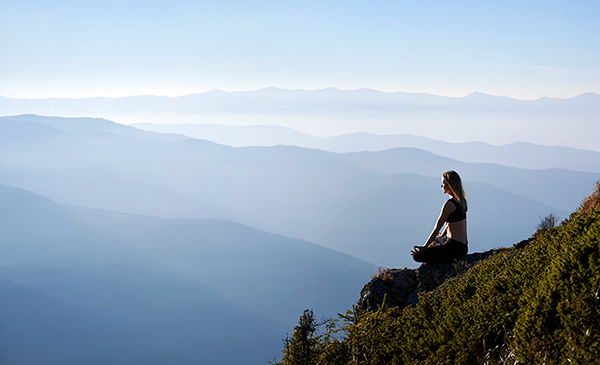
[324, 99]
[517, 154]
[499, 120]
[96, 124]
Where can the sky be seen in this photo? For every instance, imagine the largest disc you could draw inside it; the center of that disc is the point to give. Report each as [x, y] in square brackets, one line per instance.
[522, 49]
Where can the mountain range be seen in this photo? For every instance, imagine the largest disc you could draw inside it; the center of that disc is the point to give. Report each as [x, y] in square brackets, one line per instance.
[330, 112]
[309, 194]
[516, 154]
[171, 248]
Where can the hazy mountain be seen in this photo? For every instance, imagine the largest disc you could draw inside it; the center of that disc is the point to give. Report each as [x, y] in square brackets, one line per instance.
[562, 189]
[274, 99]
[82, 124]
[304, 193]
[121, 323]
[238, 136]
[23, 138]
[476, 117]
[39, 328]
[163, 290]
[518, 154]
[382, 225]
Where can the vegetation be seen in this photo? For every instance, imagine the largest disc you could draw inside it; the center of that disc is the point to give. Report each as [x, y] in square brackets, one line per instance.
[549, 221]
[536, 302]
[307, 345]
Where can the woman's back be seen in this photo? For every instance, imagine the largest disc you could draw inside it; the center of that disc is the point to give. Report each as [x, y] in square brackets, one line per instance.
[457, 223]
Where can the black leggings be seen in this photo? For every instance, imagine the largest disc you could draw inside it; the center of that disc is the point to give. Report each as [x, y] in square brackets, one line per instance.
[446, 250]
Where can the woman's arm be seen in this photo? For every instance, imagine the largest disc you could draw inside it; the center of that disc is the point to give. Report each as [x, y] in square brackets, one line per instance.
[445, 230]
[447, 209]
[439, 223]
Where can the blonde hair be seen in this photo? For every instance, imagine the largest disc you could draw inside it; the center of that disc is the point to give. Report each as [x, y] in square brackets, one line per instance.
[455, 184]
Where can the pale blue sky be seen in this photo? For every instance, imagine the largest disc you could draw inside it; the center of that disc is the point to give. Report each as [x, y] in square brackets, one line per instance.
[523, 49]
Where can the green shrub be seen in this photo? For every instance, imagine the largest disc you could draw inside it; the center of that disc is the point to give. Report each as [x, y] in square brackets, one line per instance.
[560, 319]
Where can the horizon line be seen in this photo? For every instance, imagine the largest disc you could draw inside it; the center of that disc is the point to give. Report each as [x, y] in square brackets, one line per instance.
[289, 90]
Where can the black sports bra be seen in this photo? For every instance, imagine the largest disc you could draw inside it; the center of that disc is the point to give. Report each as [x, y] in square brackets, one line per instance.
[458, 215]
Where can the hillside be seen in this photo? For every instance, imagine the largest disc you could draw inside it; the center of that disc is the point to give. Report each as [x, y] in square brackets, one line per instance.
[153, 291]
[534, 302]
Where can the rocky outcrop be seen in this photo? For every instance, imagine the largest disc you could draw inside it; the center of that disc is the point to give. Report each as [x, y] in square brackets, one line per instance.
[401, 287]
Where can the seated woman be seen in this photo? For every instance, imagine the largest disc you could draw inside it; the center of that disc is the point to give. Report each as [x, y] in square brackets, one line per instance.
[452, 242]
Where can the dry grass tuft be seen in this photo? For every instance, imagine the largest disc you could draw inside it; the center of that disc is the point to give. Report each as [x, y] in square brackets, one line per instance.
[378, 273]
[383, 274]
[591, 202]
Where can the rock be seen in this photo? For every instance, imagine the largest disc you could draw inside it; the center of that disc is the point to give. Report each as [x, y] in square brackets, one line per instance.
[401, 287]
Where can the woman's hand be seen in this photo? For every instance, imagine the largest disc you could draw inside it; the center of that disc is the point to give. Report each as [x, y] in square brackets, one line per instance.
[417, 249]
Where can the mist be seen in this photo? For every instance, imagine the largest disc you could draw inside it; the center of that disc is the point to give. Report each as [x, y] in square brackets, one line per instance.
[167, 248]
[331, 112]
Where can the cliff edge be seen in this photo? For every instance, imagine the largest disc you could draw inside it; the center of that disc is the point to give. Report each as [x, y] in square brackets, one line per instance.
[401, 287]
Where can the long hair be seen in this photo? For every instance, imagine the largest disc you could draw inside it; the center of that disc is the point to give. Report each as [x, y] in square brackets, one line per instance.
[453, 180]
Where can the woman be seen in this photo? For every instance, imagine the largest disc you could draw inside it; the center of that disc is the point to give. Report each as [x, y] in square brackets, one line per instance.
[452, 242]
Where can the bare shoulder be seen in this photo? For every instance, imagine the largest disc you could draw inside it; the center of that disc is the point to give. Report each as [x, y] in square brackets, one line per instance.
[447, 209]
[449, 206]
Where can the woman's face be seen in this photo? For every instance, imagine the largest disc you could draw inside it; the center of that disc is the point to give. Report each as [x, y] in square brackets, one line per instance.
[445, 187]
